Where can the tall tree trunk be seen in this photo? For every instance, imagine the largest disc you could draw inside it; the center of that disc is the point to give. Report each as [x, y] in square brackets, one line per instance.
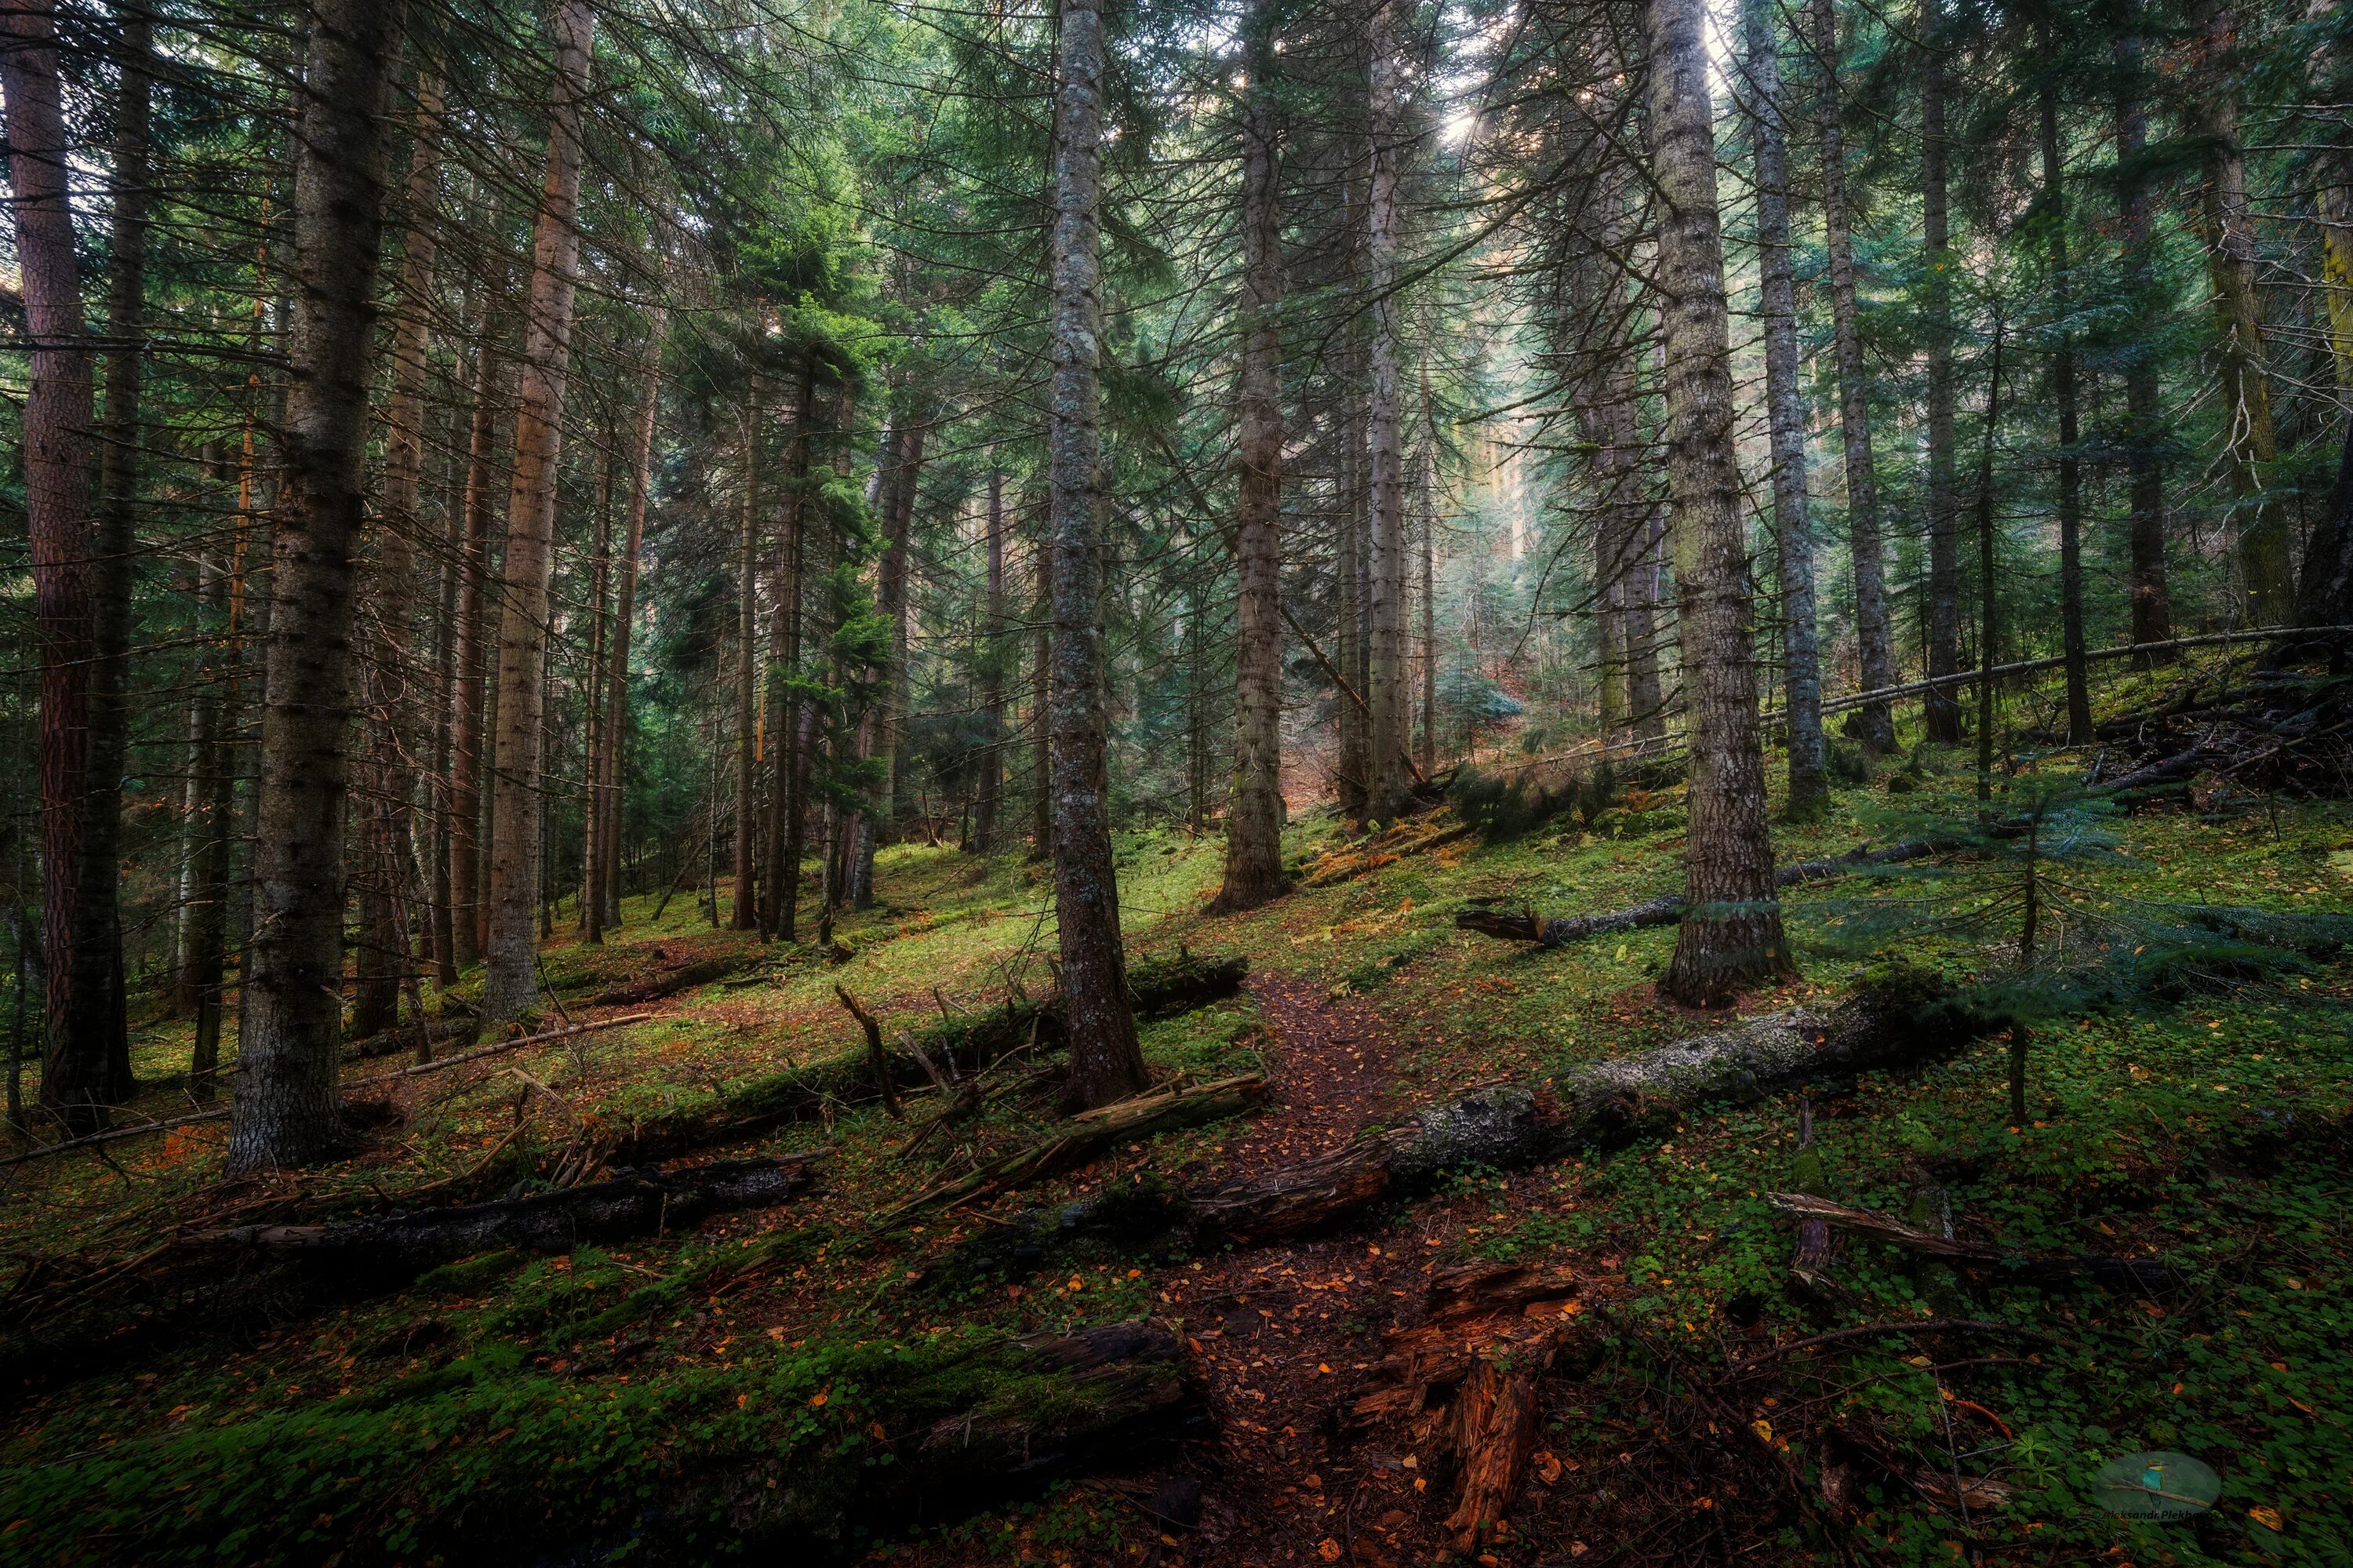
[207, 940]
[1944, 703]
[1732, 938]
[744, 914]
[2062, 391]
[98, 946]
[286, 1110]
[1041, 688]
[1385, 688]
[510, 986]
[469, 686]
[1871, 629]
[2144, 434]
[57, 422]
[987, 796]
[592, 749]
[2259, 521]
[1106, 1063]
[784, 648]
[383, 960]
[1254, 870]
[1349, 566]
[2325, 592]
[612, 765]
[1785, 409]
[888, 699]
[1428, 748]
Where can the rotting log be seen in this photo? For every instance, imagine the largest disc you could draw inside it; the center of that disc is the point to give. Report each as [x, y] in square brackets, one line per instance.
[2116, 1273]
[639, 1203]
[1091, 1134]
[1667, 909]
[972, 1044]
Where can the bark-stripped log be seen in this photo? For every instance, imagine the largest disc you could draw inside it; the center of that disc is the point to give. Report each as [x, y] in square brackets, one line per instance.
[2117, 1272]
[1667, 909]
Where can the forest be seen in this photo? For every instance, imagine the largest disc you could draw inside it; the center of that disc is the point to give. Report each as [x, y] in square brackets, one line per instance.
[1225, 782]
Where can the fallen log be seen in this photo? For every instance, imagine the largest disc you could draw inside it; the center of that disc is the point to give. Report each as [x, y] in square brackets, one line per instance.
[1896, 1017]
[1092, 1132]
[1160, 989]
[1667, 909]
[2116, 1273]
[640, 1202]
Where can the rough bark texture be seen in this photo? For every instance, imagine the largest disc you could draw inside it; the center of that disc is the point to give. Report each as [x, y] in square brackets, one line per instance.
[889, 696]
[988, 794]
[784, 652]
[1732, 938]
[56, 421]
[511, 985]
[1254, 870]
[2144, 433]
[1389, 732]
[1873, 632]
[289, 1024]
[2062, 392]
[468, 661]
[745, 913]
[2259, 520]
[633, 1203]
[1785, 408]
[2325, 593]
[612, 764]
[385, 852]
[1943, 713]
[1106, 1063]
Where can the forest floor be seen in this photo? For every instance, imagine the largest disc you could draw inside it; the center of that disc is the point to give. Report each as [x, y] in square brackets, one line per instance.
[648, 1397]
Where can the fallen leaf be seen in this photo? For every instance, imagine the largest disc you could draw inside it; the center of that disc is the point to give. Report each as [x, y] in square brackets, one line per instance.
[1329, 1550]
[2266, 1516]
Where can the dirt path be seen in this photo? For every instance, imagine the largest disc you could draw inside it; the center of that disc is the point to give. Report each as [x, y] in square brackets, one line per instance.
[1286, 1335]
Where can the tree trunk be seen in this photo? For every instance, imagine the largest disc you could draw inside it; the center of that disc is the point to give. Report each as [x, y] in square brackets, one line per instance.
[57, 414]
[592, 749]
[1384, 690]
[745, 913]
[1942, 715]
[1872, 628]
[2259, 521]
[382, 959]
[1105, 1062]
[2325, 593]
[1041, 684]
[1348, 565]
[510, 986]
[2144, 434]
[1785, 406]
[889, 694]
[2063, 390]
[989, 793]
[612, 766]
[1732, 938]
[469, 659]
[1253, 869]
[286, 1109]
[98, 946]
[784, 650]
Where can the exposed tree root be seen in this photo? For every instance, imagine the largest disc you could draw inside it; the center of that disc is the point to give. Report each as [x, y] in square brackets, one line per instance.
[1667, 909]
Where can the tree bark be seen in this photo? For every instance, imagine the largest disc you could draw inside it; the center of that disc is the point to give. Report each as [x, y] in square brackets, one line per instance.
[2062, 391]
[471, 675]
[512, 983]
[1943, 716]
[612, 766]
[286, 1110]
[889, 694]
[1732, 937]
[784, 650]
[988, 794]
[1872, 628]
[1389, 732]
[2325, 594]
[592, 751]
[2144, 433]
[1253, 868]
[1785, 405]
[98, 946]
[2260, 550]
[744, 914]
[382, 959]
[1106, 1063]
[57, 413]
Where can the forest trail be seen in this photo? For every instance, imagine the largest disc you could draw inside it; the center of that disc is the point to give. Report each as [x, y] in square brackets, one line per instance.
[1285, 1335]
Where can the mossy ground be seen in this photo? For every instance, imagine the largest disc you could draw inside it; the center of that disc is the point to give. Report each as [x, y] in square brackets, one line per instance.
[646, 1381]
